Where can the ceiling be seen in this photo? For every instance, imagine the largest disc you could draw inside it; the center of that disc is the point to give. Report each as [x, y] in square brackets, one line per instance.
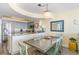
[53, 7]
[34, 9]
[6, 10]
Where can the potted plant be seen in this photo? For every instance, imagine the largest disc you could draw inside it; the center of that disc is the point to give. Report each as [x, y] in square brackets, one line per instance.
[72, 39]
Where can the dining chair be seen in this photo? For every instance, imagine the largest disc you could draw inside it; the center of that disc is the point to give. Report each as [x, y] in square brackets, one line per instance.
[22, 48]
[56, 49]
[27, 50]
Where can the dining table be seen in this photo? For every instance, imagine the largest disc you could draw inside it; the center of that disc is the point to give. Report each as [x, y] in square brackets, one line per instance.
[42, 44]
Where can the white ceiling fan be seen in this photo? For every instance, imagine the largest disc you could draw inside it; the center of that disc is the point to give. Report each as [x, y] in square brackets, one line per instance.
[46, 11]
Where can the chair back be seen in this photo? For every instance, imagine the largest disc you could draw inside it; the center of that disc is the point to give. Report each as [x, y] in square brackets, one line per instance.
[22, 48]
[56, 47]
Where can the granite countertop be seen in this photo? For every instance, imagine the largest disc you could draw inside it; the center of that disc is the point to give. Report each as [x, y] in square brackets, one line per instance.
[21, 33]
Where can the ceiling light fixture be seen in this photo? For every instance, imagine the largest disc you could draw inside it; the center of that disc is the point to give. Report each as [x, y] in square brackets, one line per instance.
[47, 13]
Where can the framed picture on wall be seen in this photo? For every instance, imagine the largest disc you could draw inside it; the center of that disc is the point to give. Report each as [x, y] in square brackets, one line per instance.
[57, 26]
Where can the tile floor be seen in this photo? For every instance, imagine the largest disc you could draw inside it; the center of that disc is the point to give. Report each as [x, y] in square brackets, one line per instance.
[64, 51]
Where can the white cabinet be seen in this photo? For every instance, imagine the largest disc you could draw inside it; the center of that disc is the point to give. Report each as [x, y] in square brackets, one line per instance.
[13, 47]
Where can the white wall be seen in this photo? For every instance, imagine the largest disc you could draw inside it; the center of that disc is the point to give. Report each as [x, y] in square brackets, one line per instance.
[70, 29]
[68, 18]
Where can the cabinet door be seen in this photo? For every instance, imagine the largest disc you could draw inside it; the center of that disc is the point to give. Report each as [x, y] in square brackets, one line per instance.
[15, 47]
